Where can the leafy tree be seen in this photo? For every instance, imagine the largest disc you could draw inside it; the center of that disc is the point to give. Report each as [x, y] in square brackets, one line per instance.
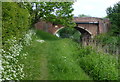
[55, 12]
[83, 15]
[113, 36]
[114, 16]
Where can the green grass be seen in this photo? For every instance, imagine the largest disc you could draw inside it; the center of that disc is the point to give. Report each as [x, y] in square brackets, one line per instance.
[45, 36]
[98, 65]
[52, 60]
[64, 59]
[62, 64]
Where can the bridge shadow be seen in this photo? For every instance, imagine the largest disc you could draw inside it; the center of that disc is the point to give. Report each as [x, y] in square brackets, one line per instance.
[85, 35]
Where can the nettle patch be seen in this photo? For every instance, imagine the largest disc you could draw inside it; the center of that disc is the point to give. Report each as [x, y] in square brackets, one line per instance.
[11, 69]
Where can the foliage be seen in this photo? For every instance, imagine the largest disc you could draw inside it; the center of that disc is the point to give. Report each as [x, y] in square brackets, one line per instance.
[71, 33]
[107, 39]
[62, 63]
[52, 60]
[83, 15]
[114, 16]
[46, 36]
[15, 23]
[12, 70]
[113, 36]
[29, 7]
[99, 66]
[64, 59]
[55, 12]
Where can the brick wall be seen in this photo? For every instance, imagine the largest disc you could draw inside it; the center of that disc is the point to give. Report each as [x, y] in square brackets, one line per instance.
[103, 26]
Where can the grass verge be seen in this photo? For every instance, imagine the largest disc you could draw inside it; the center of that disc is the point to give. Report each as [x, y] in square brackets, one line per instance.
[53, 59]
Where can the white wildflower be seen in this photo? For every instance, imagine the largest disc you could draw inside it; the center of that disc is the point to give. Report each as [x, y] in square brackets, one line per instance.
[11, 64]
[41, 41]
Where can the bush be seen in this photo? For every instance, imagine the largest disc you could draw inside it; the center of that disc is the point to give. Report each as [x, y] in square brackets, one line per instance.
[15, 21]
[99, 66]
[107, 39]
[15, 24]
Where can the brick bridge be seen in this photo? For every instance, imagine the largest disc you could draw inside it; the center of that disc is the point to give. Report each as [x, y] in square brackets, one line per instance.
[88, 26]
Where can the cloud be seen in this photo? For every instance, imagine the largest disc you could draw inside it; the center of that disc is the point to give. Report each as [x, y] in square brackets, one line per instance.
[92, 7]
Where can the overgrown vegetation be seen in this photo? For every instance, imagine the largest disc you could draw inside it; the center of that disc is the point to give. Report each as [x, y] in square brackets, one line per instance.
[107, 39]
[17, 19]
[57, 56]
[113, 14]
[63, 59]
[56, 13]
[49, 57]
[113, 36]
[15, 35]
[111, 40]
[98, 65]
[83, 15]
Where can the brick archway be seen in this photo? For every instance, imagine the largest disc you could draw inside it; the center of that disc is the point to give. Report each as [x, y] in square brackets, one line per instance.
[58, 30]
[82, 30]
[91, 25]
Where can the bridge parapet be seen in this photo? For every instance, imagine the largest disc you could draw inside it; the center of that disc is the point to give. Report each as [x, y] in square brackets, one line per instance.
[91, 25]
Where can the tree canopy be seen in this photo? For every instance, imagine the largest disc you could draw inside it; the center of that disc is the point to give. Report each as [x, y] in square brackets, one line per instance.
[83, 15]
[114, 16]
[55, 12]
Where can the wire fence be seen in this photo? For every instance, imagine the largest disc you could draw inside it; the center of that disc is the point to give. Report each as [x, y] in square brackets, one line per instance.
[100, 47]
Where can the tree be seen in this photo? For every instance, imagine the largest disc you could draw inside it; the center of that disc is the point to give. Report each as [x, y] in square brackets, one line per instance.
[114, 16]
[83, 15]
[55, 12]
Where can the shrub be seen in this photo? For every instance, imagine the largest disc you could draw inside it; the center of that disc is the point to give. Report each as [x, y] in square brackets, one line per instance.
[15, 26]
[15, 21]
[107, 39]
[99, 66]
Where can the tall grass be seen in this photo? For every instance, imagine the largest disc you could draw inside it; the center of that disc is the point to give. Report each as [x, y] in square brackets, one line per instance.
[63, 59]
[62, 64]
[98, 65]
[52, 59]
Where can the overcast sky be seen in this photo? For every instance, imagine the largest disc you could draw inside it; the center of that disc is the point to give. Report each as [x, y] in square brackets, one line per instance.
[94, 8]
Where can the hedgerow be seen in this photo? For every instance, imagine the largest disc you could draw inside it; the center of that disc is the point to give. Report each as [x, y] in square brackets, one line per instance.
[15, 21]
[15, 35]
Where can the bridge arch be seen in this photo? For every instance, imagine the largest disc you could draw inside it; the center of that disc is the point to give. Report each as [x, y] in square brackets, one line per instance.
[58, 30]
[84, 32]
[93, 25]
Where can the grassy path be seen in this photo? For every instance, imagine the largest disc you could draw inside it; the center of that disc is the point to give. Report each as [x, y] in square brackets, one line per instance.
[53, 59]
[43, 68]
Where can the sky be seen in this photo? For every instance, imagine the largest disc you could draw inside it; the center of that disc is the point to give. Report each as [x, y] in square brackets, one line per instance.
[94, 8]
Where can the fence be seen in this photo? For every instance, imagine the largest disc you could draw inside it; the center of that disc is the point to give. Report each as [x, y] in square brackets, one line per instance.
[100, 47]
